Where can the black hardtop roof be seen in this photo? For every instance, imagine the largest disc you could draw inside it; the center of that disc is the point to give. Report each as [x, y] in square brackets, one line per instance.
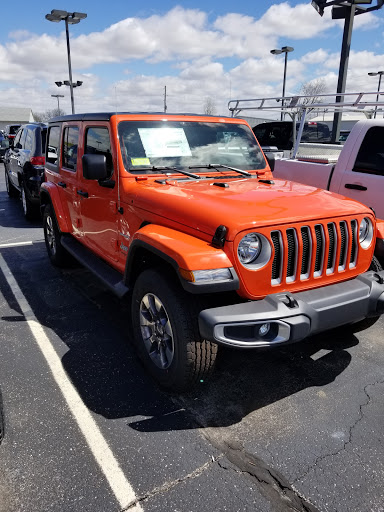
[106, 116]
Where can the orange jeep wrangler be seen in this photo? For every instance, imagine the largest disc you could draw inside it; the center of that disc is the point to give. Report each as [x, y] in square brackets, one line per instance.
[181, 213]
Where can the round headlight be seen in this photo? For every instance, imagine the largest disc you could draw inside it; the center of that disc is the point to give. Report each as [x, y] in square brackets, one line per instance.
[363, 230]
[366, 232]
[249, 248]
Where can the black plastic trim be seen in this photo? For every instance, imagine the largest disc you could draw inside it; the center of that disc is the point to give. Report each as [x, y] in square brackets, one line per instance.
[326, 308]
[379, 251]
[195, 288]
[109, 276]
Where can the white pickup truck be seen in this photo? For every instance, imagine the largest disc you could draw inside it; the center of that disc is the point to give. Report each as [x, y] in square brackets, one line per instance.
[355, 169]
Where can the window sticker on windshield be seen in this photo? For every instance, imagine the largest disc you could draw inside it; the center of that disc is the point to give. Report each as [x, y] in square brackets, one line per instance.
[163, 142]
[140, 161]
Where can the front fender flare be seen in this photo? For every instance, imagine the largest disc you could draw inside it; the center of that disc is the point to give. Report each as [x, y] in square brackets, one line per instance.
[182, 251]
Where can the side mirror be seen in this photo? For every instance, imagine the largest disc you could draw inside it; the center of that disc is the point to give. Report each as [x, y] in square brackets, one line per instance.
[95, 167]
[270, 156]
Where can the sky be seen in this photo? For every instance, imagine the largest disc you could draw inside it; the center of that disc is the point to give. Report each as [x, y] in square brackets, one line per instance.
[126, 53]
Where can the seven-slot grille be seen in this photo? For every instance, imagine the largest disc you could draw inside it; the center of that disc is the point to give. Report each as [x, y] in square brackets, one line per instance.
[314, 251]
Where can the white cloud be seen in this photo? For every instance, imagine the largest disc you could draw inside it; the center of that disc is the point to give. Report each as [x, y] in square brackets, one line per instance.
[317, 57]
[194, 47]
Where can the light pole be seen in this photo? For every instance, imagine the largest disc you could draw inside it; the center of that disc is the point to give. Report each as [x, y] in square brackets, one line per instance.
[285, 50]
[71, 18]
[58, 101]
[345, 10]
[380, 73]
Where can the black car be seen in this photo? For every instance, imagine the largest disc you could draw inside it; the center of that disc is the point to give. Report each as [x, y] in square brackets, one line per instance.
[280, 133]
[24, 166]
[11, 130]
[4, 145]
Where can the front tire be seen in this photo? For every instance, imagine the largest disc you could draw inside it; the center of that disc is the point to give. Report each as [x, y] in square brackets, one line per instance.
[166, 335]
[11, 189]
[56, 252]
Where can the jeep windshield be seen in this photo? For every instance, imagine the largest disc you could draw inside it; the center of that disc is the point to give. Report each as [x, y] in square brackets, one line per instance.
[147, 145]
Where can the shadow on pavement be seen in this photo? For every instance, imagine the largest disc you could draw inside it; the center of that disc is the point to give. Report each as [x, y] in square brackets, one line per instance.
[14, 216]
[94, 325]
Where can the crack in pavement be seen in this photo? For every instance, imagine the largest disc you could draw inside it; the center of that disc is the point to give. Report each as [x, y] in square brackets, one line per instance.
[170, 485]
[349, 440]
[272, 484]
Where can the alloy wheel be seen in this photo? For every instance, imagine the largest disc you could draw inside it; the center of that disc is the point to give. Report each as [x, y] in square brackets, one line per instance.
[50, 233]
[24, 201]
[156, 331]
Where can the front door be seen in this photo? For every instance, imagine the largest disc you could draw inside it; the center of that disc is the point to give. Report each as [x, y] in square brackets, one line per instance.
[363, 179]
[99, 199]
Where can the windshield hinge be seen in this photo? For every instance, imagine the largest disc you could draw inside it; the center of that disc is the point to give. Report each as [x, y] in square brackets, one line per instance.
[218, 239]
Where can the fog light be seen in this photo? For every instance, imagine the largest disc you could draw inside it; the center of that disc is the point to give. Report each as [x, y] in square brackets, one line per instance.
[264, 329]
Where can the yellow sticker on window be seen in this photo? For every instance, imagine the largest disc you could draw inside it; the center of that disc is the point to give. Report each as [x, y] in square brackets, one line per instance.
[140, 161]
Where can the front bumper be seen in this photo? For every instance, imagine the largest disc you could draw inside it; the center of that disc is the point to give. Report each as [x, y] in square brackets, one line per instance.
[290, 317]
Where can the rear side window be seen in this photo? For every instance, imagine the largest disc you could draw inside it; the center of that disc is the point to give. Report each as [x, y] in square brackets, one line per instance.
[370, 158]
[70, 144]
[53, 145]
[28, 144]
[97, 142]
[17, 138]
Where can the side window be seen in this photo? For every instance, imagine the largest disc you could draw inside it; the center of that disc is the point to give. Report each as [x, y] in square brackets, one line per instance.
[28, 143]
[370, 158]
[70, 144]
[97, 142]
[53, 145]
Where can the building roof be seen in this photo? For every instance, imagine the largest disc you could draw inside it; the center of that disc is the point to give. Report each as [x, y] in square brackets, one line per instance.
[16, 114]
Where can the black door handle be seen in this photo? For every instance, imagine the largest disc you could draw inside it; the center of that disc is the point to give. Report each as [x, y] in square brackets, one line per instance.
[62, 184]
[355, 186]
[81, 193]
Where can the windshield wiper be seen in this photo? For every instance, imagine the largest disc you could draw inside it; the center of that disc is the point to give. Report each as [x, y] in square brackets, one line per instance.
[220, 166]
[165, 168]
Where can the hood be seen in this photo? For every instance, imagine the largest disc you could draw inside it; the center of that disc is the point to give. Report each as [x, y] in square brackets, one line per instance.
[243, 204]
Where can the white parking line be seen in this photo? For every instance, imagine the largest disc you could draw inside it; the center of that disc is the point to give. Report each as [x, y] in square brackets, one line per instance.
[99, 447]
[16, 244]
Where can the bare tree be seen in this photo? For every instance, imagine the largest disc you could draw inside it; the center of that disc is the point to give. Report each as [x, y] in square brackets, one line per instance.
[209, 107]
[313, 89]
[43, 117]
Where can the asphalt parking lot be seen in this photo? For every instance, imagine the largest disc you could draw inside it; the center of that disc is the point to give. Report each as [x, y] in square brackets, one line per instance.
[295, 429]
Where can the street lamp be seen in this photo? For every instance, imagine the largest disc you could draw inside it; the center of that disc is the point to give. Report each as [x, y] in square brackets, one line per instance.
[285, 50]
[58, 101]
[66, 82]
[345, 10]
[380, 73]
[71, 18]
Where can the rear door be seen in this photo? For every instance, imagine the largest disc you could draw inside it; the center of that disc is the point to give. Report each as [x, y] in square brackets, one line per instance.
[363, 179]
[99, 198]
[61, 168]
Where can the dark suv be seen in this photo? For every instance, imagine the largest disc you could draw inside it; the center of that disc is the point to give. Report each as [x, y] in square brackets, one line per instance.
[24, 166]
[280, 133]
